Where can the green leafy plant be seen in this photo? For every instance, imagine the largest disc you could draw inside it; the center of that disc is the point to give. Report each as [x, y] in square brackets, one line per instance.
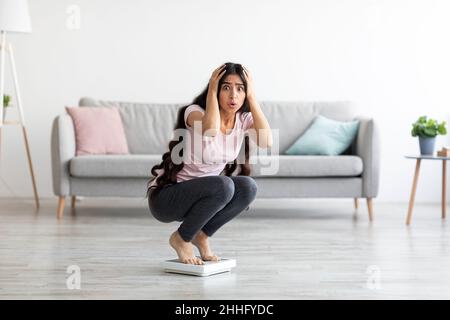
[428, 128]
[6, 100]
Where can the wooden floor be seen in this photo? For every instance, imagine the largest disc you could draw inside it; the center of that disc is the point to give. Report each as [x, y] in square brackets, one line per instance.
[285, 249]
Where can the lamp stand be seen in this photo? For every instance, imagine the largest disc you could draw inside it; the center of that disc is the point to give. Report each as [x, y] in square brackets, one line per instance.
[3, 49]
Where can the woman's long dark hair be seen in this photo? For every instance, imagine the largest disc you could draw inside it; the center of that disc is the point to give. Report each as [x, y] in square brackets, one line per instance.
[171, 170]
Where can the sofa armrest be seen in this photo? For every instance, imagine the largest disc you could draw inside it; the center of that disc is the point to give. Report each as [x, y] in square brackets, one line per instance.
[63, 150]
[368, 148]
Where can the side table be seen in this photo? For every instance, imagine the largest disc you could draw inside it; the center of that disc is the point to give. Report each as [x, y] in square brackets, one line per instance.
[419, 158]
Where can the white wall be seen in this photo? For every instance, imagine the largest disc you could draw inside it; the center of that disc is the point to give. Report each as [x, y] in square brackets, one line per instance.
[391, 57]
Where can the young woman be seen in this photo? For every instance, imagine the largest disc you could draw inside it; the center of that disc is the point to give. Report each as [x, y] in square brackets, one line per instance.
[194, 191]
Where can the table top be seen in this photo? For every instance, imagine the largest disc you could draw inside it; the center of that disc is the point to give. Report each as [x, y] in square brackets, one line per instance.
[427, 157]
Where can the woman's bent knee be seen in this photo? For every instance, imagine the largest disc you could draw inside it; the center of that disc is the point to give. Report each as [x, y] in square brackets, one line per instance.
[252, 185]
[222, 187]
[247, 188]
[247, 183]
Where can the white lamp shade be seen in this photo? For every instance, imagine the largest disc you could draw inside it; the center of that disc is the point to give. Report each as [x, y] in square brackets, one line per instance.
[14, 16]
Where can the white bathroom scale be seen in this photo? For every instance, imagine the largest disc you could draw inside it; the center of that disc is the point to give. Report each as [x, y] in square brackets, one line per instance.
[207, 269]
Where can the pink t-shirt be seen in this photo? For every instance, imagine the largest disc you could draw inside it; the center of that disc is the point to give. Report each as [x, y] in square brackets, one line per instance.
[216, 151]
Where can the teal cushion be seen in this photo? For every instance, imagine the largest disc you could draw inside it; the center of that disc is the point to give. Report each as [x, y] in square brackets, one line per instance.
[325, 137]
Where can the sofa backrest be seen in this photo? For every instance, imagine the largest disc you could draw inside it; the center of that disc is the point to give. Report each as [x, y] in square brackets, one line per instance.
[149, 126]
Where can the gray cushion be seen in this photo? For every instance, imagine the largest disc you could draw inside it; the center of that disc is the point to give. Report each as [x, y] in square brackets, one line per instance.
[139, 166]
[307, 166]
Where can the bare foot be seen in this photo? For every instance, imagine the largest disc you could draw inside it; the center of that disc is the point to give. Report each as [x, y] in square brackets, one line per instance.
[184, 249]
[202, 243]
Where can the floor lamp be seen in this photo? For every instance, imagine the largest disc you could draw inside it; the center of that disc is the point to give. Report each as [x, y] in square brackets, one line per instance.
[14, 17]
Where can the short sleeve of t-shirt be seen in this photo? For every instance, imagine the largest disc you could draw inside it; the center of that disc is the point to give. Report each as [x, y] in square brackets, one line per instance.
[191, 108]
[247, 120]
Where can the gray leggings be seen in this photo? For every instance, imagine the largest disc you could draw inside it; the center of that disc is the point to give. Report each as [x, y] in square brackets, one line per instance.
[204, 203]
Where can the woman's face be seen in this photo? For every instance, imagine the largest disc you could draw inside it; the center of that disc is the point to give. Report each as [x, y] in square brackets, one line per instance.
[232, 93]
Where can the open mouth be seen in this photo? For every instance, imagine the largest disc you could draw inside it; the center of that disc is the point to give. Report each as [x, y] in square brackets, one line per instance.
[232, 104]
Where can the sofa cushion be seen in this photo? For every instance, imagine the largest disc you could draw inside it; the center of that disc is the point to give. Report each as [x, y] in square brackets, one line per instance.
[325, 137]
[114, 166]
[139, 166]
[306, 166]
[98, 131]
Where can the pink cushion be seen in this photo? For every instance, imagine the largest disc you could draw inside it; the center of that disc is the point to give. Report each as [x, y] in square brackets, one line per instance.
[98, 130]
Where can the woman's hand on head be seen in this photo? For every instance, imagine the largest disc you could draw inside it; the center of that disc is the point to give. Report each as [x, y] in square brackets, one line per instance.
[215, 77]
[249, 79]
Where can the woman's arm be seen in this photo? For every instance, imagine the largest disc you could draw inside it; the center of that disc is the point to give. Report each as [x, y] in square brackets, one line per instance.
[211, 119]
[207, 118]
[260, 123]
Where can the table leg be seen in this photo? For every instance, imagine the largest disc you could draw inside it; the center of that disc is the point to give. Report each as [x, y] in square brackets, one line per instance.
[413, 192]
[444, 187]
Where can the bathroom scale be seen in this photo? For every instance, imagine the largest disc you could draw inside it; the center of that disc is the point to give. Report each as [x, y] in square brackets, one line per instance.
[207, 269]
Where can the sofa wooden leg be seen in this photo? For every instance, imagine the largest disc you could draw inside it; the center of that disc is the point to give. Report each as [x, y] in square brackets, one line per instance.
[60, 210]
[370, 208]
[72, 203]
[356, 203]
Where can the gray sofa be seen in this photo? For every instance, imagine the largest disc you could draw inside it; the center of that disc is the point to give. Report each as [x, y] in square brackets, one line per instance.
[149, 128]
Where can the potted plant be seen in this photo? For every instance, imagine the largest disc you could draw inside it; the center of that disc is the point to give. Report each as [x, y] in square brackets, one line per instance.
[427, 130]
[6, 100]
